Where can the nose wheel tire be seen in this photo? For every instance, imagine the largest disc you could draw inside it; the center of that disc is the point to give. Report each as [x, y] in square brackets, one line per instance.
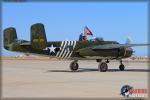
[74, 66]
[103, 67]
[121, 67]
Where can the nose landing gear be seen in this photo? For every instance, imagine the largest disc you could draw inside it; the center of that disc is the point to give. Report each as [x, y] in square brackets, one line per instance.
[121, 67]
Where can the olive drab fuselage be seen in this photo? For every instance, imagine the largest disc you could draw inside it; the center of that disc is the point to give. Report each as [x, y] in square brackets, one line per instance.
[82, 49]
[72, 50]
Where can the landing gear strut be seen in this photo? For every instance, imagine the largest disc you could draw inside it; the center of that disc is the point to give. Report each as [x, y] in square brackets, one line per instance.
[74, 65]
[121, 67]
[107, 61]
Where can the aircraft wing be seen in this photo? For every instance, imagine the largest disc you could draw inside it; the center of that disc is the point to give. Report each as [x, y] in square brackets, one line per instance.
[115, 46]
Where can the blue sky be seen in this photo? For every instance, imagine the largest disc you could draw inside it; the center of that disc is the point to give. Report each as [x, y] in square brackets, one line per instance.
[66, 20]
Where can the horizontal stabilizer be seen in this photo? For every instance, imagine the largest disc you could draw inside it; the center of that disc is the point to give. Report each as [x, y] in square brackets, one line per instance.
[25, 44]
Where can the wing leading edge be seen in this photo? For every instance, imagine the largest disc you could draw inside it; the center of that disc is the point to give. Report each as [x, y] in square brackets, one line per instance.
[115, 46]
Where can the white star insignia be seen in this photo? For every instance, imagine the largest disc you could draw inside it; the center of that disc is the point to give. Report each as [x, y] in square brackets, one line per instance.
[51, 48]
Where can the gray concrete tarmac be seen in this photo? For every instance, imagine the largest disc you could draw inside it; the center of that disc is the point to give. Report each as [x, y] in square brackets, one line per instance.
[53, 79]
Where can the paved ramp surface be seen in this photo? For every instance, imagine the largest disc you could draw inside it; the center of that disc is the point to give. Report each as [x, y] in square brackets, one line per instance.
[46, 78]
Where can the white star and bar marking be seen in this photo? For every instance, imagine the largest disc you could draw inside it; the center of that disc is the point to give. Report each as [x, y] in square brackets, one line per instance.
[65, 50]
[51, 48]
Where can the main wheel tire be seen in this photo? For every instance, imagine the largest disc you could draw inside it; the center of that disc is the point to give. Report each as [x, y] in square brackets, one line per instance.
[74, 66]
[121, 67]
[103, 67]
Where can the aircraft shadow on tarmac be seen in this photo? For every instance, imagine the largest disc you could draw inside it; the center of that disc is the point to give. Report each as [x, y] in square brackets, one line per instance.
[109, 70]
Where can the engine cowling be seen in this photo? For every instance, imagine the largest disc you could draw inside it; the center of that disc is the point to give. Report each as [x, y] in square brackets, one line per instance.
[125, 52]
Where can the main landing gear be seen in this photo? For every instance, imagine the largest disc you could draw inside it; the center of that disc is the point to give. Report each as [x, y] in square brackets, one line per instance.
[102, 67]
[74, 65]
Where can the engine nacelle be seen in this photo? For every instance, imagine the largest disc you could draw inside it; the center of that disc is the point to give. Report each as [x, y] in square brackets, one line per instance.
[125, 52]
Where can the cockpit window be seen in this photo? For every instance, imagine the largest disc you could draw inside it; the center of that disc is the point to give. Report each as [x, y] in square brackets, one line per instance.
[97, 39]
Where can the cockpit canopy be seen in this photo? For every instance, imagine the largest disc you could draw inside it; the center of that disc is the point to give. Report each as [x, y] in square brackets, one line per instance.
[97, 39]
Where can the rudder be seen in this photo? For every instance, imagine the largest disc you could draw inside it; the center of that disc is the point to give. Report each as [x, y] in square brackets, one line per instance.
[38, 36]
[10, 36]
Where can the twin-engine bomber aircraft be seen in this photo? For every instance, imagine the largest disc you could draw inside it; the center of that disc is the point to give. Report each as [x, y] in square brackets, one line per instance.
[83, 49]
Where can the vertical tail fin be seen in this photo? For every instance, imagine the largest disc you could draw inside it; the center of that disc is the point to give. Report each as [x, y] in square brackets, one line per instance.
[10, 36]
[38, 36]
